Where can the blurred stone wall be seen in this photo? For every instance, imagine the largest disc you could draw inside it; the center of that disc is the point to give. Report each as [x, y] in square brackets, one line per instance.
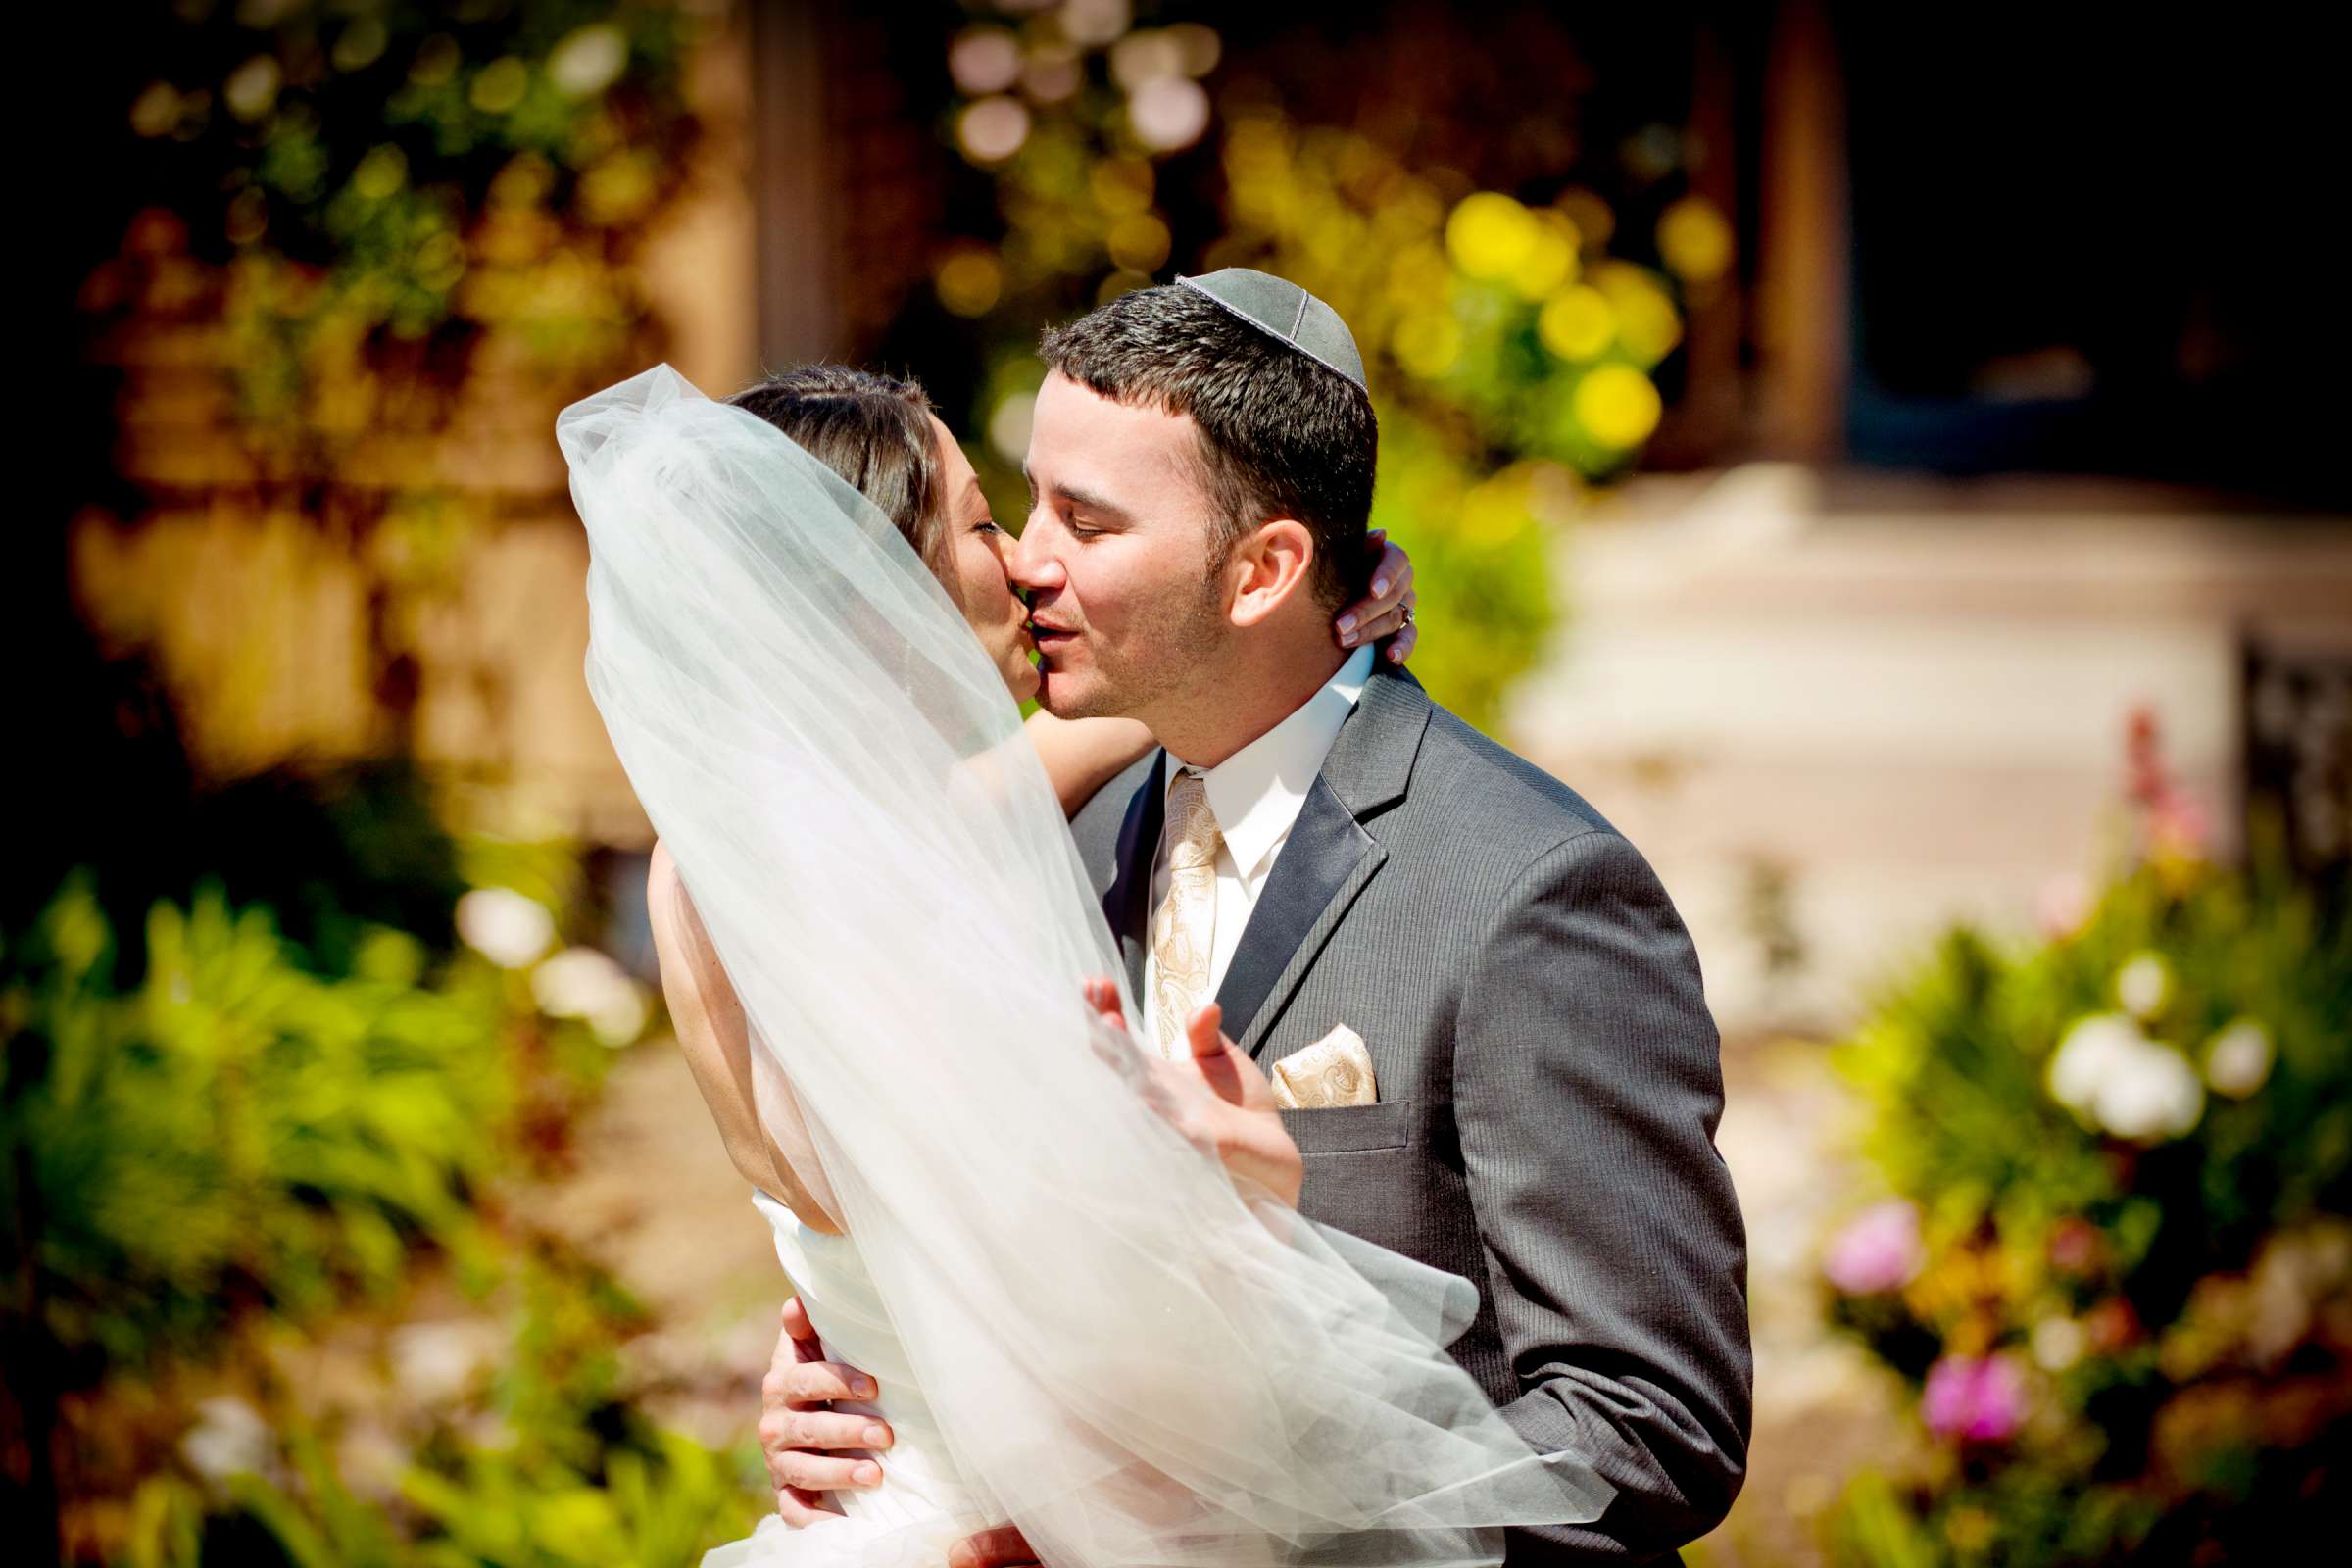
[257, 613]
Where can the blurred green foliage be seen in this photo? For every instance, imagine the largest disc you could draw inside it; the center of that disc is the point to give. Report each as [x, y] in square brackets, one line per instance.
[543, 1462]
[377, 190]
[230, 1131]
[214, 1139]
[2117, 1268]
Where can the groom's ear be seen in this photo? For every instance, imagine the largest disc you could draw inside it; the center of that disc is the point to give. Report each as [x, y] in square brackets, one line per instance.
[1269, 567]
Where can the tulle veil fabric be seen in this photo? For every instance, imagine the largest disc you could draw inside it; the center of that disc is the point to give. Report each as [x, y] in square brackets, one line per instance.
[1132, 1360]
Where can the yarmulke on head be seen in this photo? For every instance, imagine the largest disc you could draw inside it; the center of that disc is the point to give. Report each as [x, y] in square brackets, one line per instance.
[1283, 310]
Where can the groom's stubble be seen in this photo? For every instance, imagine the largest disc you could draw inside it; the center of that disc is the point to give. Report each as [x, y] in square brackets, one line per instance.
[1160, 667]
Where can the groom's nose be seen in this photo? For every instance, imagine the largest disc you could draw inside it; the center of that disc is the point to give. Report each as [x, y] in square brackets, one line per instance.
[1035, 567]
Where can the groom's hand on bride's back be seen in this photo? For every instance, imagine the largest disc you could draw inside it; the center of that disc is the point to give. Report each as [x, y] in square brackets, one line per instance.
[811, 1447]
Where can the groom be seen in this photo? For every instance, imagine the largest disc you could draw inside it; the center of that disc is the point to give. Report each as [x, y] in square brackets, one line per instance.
[1319, 846]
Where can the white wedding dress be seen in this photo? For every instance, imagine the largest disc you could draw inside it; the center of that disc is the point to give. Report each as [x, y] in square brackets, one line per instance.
[1079, 1325]
[924, 1504]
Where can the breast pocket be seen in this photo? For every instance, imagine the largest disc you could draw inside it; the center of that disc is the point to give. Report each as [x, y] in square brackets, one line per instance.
[1344, 1129]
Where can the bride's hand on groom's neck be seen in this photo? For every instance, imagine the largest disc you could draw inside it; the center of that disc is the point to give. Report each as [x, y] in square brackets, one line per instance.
[1386, 608]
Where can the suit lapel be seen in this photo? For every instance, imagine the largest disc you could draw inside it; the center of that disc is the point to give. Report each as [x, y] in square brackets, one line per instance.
[1124, 904]
[1324, 864]
[1328, 859]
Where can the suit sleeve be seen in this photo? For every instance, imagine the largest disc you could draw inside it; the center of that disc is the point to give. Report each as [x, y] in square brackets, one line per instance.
[1587, 1083]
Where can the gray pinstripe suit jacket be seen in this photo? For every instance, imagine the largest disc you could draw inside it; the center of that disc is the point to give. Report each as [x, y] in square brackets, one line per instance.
[1549, 1085]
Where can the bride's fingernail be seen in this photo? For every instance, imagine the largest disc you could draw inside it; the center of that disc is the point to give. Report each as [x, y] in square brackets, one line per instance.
[863, 1387]
[1347, 638]
[1380, 585]
[877, 1437]
[867, 1475]
[1346, 625]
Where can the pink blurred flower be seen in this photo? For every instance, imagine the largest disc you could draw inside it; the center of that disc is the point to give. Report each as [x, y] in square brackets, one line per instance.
[2172, 824]
[1879, 1249]
[2075, 1245]
[1975, 1399]
[2064, 904]
[2177, 825]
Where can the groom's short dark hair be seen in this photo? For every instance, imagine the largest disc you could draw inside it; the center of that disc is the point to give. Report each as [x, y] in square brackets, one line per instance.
[1281, 434]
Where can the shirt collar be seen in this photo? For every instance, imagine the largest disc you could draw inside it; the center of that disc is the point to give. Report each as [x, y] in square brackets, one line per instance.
[1255, 793]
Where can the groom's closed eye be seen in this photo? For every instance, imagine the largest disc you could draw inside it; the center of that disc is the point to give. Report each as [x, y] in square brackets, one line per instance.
[1088, 510]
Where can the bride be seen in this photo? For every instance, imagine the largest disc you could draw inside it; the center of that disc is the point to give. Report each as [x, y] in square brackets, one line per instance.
[805, 647]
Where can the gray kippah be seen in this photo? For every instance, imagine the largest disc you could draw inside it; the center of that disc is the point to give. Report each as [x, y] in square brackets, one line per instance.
[1282, 308]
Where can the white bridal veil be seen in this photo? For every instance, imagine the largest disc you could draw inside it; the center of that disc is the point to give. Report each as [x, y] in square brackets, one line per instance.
[1130, 1359]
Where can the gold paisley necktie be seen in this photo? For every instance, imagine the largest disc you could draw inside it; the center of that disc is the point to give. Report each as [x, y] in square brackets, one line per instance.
[1184, 926]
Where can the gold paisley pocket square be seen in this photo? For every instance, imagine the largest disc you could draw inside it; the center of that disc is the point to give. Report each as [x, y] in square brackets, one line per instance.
[1336, 1070]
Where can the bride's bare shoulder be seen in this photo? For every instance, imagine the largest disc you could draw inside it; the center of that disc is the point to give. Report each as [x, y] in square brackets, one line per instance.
[708, 1020]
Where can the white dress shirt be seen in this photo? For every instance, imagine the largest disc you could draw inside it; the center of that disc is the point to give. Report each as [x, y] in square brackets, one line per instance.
[1256, 795]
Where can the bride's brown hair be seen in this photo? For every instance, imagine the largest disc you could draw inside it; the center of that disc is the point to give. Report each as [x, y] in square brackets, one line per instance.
[875, 430]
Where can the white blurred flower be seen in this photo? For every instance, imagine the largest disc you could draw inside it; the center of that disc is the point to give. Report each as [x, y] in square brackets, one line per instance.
[589, 60]
[2058, 1343]
[252, 88]
[229, 1438]
[2237, 1060]
[583, 983]
[622, 1019]
[1197, 47]
[1142, 57]
[993, 130]
[1009, 426]
[1169, 113]
[1088, 22]
[2142, 984]
[2152, 1094]
[984, 60]
[2109, 1073]
[504, 926]
[434, 1362]
[576, 983]
[2083, 1059]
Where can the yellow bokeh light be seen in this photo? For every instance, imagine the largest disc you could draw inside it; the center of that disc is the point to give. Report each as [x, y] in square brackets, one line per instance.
[1121, 185]
[1696, 240]
[500, 86]
[969, 280]
[1578, 322]
[1490, 234]
[1648, 323]
[1428, 342]
[1617, 405]
[1419, 276]
[1551, 259]
[1139, 242]
[1408, 209]
[1119, 282]
[1494, 510]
